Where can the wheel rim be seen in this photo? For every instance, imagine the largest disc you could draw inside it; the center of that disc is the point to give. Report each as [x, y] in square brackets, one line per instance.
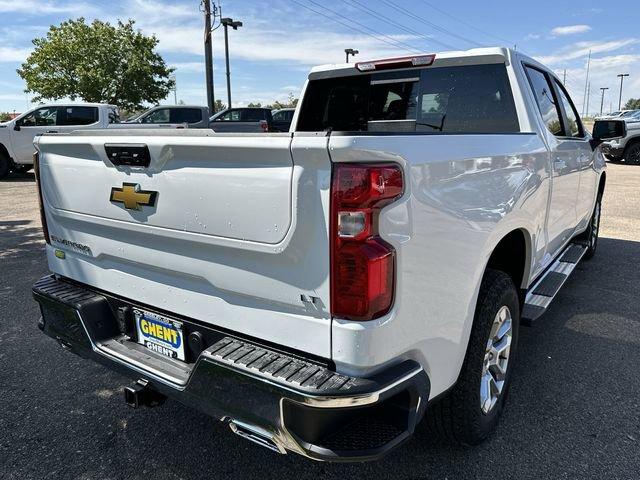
[496, 359]
[595, 227]
[634, 155]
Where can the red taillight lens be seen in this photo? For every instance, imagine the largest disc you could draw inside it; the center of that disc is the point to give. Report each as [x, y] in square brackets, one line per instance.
[363, 264]
[43, 219]
[264, 125]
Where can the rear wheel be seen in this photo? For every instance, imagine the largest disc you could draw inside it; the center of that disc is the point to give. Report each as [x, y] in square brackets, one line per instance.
[471, 410]
[5, 165]
[632, 154]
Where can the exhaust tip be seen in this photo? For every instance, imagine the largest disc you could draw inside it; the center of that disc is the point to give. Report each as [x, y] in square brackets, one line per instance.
[256, 435]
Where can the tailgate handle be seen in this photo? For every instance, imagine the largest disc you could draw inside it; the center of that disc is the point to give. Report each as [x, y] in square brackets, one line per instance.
[133, 155]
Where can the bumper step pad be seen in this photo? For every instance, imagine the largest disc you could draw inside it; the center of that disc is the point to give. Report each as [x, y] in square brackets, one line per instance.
[543, 291]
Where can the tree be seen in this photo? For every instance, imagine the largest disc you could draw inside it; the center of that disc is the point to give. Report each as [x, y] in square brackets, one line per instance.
[633, 104]
[97, 62]
[254, 105]
[291, 102]
[5, 117]
[219, 106]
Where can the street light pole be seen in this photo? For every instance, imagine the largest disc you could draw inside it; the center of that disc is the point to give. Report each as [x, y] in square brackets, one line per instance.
[208, 56]
[622, 75]
[228, 22]
[350, 51]
[604, 89]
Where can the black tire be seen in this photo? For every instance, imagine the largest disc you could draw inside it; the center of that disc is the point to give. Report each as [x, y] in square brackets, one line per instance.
[590, 235]
[22, 168]
[5, 166]
[632, 154]
[458, 417]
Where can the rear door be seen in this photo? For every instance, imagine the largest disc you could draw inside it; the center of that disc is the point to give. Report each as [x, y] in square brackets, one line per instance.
[562, 217]
[577, 138]
[190, 116]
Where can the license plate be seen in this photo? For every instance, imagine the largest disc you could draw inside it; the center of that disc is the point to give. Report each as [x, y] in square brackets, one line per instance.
[160, 334]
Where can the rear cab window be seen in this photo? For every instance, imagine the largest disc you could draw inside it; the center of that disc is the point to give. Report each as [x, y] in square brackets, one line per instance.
[77, 115]
[186, 115]
[464, 99]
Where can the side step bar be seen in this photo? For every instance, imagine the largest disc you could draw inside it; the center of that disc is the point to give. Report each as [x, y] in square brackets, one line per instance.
[544, 290]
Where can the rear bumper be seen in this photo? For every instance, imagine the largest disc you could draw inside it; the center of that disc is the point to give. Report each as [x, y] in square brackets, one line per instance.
[278, 399]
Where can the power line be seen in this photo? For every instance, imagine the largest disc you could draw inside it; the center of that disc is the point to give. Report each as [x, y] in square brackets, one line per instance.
[410, 14]
[380, 16]
[377, 35]
[509, 42]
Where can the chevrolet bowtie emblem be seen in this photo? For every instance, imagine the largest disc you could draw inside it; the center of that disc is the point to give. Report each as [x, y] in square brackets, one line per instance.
[133, 197]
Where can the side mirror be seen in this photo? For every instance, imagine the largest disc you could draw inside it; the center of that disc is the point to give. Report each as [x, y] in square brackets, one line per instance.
[607, 130]
[16, 127]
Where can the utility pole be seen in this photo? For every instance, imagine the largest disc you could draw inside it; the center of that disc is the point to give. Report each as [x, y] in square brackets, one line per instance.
[564, 78]
[588, 97]
[175, 89]
[604, 89]
[208, 55]
[586, 84]
[228, 22]
[622, 75]
[350, 51]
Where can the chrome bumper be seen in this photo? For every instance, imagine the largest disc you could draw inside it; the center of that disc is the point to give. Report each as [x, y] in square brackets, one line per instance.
[278, 399]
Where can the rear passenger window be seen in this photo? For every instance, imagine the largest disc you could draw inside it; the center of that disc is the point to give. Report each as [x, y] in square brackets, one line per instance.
[253, 115]
[186, 115]
[77, 115]
[462, 99]
[546, 99]
[572, 120]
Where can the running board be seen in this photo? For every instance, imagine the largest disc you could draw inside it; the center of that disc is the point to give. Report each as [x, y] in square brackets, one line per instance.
[545, 289]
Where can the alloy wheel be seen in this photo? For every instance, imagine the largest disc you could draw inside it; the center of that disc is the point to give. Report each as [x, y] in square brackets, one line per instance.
[496, 359]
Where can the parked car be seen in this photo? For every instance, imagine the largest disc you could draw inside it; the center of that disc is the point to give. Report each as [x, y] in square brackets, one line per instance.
[16, 136]
[627, 148]
[242, 120]
[282, 119]
[192, 115]
[320, 290]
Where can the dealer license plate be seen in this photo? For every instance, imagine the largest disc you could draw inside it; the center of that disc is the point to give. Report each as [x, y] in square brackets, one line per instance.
[160, 334]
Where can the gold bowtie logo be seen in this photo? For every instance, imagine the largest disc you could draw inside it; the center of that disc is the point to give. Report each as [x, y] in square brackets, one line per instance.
[133, 197]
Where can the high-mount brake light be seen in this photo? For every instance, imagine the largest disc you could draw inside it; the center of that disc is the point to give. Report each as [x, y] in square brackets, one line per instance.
[362, 263]
[43, 219]
[399, 62]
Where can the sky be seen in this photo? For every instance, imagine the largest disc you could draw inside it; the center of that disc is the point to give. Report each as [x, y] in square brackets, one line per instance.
[282, 39]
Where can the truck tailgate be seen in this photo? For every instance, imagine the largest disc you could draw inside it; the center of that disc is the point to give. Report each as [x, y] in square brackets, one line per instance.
[227, 229]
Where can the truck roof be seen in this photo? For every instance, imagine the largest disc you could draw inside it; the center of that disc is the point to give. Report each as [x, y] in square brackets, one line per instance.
[449, 58]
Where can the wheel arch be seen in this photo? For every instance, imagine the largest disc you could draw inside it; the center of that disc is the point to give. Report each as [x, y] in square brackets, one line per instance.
[512, 255]
[4, 151]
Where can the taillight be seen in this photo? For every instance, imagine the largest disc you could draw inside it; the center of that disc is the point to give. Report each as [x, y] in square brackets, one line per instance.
[362, 263]
[43, 219]
[264, 125]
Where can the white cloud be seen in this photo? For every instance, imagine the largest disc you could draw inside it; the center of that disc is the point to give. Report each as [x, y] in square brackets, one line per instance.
[38, 7]
[570, 30]
[581, 49]
[12, 54]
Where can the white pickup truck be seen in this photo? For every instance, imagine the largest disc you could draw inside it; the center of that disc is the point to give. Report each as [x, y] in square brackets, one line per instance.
[320, 291]
[16, 136]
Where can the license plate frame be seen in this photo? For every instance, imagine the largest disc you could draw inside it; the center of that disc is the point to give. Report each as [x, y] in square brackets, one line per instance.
[160, 334]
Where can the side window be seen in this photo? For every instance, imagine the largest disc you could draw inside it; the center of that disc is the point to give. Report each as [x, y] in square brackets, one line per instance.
[572, 120]
[186, 115]
[230, 116]
[158, 116]
[253, 115]
[279, 116]
[77, 115]
[42, 117]
[114, 115]
[545, 97]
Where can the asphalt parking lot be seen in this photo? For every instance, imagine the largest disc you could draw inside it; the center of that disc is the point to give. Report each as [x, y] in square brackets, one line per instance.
[574, 410]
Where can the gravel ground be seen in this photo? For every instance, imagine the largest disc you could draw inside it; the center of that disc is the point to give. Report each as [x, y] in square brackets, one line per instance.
[573, 410]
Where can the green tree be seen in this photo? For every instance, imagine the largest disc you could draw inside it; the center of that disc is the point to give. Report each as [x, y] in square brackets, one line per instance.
[291, 102]
[633, 104]
[254, 105]
[4, 117]
[219, 106]
[97, 62]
